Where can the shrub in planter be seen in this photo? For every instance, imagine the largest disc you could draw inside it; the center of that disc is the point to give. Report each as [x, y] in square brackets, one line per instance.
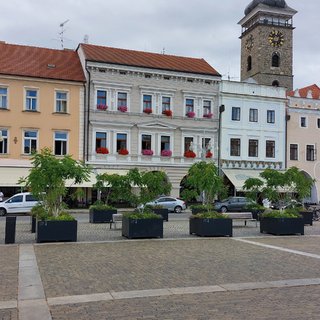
[210, 224]
[147, 110]
[190, 154]
[101, 213]
[102, 150]
[147, 152]
[166, 153]
[144, 224]
[281, 222]
[123, 152]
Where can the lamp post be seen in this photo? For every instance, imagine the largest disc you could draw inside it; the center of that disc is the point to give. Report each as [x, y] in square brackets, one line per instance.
[221, 110]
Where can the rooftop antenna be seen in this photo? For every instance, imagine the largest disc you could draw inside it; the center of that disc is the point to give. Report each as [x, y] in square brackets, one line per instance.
[61, 33]
[163, 50]
[86, 39]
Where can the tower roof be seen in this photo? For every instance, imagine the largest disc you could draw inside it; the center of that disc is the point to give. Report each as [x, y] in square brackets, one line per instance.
[270, 3]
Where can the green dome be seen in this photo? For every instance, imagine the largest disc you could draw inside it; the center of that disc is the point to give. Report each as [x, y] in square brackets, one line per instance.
[270, 3]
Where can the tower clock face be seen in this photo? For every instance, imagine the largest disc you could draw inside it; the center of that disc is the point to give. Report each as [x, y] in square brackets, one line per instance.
[249, 43]
[276, 38]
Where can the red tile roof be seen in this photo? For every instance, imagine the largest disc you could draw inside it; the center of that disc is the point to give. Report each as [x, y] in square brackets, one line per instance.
[147, 60]
[37, 62]
[303, 92]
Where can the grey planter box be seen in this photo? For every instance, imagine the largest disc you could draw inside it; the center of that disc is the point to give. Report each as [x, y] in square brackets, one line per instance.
[210, 227]
[142, 228]
[101, 216]
[282, 226]
[52, 231]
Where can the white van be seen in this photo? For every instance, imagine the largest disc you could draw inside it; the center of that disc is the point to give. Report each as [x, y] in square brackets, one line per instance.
[19, 203]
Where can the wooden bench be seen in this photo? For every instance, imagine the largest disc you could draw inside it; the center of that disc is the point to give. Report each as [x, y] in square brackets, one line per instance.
[246, 216]
[116, 219]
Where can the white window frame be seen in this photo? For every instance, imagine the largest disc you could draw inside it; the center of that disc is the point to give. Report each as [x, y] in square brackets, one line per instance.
[31, 139]
[115, 140]
[275, 116]
[66, 140]
[306, 118]
[275, 148]
[26, 89]
[5, 138]
[94, 135]
[108, 99]
[128, 98]
[238, 113]
[314, 152]
[298, 147]
[56, 100]
[166, 96]
[159, 142]
[211, 106]
[6, 107]
[185, 105]
[194, 138]
[153, 144]
[153, 100]
[255, 111]
[240, 149]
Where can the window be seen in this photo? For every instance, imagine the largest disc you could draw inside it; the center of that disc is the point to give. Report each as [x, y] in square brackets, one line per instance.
[235, 113]
[3, 98]
[3, 141]
[165, 143]
[318, 122]
[303, 122]
[275, 83]
[207, 108]
[166, 103]
[101, 140]
[188, 144]
[31, 100]
[253, 115]
[206, 144]
[310, 152]
[189, 105]
[147, 102]
[271, 116]
[249, 63]
[122, 99]
[121, 141]
[270, 149]
[293, 152]
[61, 102]
[101, 99]
[60, 143]
[30, 141]
[235, 145]
[275, 60]
[146, 142]
[253, 148]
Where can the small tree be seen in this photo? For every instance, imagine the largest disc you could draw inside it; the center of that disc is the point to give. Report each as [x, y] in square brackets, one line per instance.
[48, 175]
[203, 178]
[253, 187]
[151, 185]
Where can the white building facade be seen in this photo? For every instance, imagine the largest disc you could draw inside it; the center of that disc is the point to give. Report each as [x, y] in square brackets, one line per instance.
[252, 130]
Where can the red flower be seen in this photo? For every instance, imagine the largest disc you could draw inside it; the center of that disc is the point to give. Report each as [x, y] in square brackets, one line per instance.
[102, 107]
[123, 152]
[208, 115]
[102, 150]
[209, 154]
[190, 154]
[147, 110]
[168, 113]
[191, 114]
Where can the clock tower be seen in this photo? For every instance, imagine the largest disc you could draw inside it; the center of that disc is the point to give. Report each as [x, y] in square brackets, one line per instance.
[266, 43]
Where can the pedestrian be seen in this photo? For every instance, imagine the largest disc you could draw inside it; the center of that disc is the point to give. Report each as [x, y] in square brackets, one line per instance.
[1, 196]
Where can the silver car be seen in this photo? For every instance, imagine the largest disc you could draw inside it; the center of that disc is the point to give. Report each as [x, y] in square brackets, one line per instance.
[172, 204]
[19, 203]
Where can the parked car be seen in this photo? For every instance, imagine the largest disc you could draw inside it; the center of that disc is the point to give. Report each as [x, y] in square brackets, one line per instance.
[19, 203]
[170, 203]
[233, 204]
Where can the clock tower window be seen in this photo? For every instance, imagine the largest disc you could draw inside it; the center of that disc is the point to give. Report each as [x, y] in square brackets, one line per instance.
[275, 60]
[249, 63]
[275, 83]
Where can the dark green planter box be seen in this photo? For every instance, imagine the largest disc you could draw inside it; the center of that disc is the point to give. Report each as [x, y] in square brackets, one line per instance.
[52, 231]
[101, 216]
[282, 226]
[210, 227]
[142, 228]
[307, 217]
[162, 212]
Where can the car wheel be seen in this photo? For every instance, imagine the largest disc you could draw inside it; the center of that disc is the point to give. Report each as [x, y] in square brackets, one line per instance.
[3, 212]
[177, 209]
[224, 209]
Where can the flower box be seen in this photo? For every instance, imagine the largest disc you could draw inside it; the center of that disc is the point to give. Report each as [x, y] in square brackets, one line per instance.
[123, 152]
[209, 154]
[147, 110]
[147, 152]
[102, 150]
[191, 114]
[208, 115]
[102, 107]
[166, 153]
[190, 154]
[167, 113]
[123, 108]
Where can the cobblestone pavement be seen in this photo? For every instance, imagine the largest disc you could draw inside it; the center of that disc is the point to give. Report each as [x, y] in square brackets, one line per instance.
[9, 314]
[267, 304]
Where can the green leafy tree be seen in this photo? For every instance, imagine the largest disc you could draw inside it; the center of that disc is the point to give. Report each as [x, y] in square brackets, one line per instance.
[203, 179]
[151, 184]
[48, 176]
[253, 187]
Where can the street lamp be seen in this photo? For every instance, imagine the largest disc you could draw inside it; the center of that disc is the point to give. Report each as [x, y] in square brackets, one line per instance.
[221, 110]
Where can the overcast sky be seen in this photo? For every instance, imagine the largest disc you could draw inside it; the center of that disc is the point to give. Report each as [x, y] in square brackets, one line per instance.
[204, 29]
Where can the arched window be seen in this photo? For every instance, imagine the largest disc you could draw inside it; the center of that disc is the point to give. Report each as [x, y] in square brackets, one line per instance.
[275, 83]
[249, 63]
[275, 60]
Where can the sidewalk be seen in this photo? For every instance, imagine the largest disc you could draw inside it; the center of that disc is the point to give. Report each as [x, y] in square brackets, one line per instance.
[247, 277]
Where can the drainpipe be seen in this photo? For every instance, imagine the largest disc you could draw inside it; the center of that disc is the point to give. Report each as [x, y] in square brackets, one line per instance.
[87, 116]
[221, 109]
